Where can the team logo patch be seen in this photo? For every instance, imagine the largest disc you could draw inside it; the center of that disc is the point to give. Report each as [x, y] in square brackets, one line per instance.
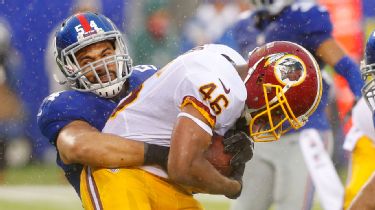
[82, 31]
[290, 70]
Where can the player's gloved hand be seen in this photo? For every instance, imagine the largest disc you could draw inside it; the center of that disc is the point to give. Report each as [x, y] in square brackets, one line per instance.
[237, 175]
[156, 154]
[240, 145]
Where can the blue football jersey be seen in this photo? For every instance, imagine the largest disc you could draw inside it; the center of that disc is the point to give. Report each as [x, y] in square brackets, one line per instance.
[62, 108]
[306, 24]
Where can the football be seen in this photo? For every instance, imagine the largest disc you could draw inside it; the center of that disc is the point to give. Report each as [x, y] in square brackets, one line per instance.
[217, 157]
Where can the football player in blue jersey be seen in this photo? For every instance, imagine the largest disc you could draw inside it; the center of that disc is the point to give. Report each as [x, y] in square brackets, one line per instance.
[365, 197]
[279, 167]
[92, 55]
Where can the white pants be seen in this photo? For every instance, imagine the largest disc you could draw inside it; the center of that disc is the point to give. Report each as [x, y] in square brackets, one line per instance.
[278, 175]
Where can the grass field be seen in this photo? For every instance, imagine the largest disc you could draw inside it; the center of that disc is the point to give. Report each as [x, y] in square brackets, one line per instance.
[44, 187]
[60, 197]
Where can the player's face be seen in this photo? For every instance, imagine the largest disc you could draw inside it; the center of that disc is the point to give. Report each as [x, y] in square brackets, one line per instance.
[93, 53]
[264, 122]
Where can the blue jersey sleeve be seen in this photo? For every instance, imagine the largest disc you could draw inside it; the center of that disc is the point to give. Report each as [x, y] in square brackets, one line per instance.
[139, 75]
[314, 23]
[61, 108]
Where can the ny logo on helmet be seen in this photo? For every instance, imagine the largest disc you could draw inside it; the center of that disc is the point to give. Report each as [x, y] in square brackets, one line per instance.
[84, 30]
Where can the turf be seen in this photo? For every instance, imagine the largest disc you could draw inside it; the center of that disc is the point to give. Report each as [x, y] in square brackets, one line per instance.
[34, 174]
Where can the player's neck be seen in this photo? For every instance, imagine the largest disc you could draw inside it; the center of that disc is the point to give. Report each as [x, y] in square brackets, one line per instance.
[242, 70]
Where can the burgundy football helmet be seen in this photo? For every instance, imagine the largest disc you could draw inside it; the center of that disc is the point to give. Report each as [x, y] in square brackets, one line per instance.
[284, 86]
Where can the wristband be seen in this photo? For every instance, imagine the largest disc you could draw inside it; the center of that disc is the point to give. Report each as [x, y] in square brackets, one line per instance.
[156, 154]
[347, 68]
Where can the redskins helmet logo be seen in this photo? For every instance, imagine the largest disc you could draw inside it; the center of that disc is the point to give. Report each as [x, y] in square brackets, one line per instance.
[290, 70]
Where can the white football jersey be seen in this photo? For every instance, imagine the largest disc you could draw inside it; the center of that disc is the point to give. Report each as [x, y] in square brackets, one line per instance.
[202, 77]
[362, 125]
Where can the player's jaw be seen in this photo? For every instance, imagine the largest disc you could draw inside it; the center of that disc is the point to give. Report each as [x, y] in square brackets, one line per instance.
[267, 125]
[102, 74]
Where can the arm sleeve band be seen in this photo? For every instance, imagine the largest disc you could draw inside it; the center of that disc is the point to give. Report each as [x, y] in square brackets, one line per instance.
[156, 154]
[201, 124]
[347, 68]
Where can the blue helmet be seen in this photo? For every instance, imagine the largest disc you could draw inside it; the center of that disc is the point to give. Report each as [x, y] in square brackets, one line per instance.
[82, 30]
[368, 71]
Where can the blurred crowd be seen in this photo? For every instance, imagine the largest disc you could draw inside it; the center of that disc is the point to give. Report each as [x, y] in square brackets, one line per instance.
[157, 31]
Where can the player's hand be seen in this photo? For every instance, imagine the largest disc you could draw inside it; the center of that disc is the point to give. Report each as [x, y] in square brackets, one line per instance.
[237, 175]
[240, 145]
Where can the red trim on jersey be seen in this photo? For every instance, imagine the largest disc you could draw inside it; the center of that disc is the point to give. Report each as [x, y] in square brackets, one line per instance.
[84, 22]
[127, 101]
[203, 109]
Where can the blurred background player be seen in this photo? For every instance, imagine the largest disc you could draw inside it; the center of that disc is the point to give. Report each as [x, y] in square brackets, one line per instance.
[156, 40]
[209, 22]
[277, 168]
[361, 181]
[11, 109]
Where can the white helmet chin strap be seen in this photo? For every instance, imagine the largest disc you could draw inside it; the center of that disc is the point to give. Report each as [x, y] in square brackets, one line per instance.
[109, 91]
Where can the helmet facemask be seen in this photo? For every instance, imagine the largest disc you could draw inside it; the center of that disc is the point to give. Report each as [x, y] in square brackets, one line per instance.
[276, 118]
[368, 90]
[76, 74]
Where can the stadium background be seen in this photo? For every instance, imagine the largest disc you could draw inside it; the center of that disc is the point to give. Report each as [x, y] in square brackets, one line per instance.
[32, 181]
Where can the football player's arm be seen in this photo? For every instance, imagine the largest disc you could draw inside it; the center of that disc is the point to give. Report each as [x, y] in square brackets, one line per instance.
[187, 164]
[318, 26]
[79, 142]
[332, 54]
[365, 198]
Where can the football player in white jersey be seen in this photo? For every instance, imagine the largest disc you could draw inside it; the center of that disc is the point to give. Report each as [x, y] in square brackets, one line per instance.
[360, 142]
[201, 93]
[364, 148]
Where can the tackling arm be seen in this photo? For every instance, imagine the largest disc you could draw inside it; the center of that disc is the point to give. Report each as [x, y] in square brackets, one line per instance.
[79, 142]
[187, 164]
[332, 54]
